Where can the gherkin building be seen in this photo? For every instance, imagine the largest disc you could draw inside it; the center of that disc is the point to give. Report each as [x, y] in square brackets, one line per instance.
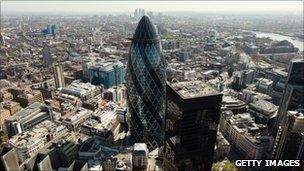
[146, 84]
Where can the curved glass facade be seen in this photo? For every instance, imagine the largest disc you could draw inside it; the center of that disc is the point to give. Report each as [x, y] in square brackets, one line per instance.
[146, 83]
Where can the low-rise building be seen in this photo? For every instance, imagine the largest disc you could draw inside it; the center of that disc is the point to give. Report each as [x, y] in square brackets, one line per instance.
[116, 93]
[249, 96]
[92, 104]
[283, 46]
[67, 108]
[62, 97]
[264, 85]
[27, 118]
[4, 114]
[13, 107]
[3, 138]
[73, 121]
[93, 148]
[251, 139]
[82, 90]
[103, 125]
[233, 104]
[5, 96]
[264, 112]
[251, 49]
[30, 98]
[140, 156]
[29, 142]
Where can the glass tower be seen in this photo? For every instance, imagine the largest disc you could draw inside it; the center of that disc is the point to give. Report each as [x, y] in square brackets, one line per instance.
[192, 117]
[293, 98]
[146, 83]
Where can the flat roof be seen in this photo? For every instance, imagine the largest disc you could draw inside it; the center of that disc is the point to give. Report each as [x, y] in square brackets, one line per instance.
[265, 105]
[140, 147]
[190, 89]
[27, 111]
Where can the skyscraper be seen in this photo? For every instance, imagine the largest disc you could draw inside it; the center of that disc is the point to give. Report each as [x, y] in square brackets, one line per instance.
[49, 29]
[289, 143]
[2, 40]
[146, 84]
[293, 94]
[47, 56]
[58, 75]
[192, 116]
[54, 29]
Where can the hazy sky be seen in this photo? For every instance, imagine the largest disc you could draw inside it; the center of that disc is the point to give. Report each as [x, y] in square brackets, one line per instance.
[156, 6]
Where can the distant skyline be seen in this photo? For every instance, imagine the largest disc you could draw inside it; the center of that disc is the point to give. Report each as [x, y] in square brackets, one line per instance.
[94, 7]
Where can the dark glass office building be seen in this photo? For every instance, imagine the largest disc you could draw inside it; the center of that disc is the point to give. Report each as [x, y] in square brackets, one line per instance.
[293, 97]
[192, 117]
[288, 131]
[145, 83]
[289, 143]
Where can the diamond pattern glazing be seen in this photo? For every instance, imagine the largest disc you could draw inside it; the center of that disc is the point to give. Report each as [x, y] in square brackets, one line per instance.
[145, 81]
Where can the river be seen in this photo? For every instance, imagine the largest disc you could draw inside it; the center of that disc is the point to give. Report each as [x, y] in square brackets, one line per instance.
[296, 42]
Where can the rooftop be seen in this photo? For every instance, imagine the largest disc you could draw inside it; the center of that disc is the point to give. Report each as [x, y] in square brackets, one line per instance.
[24, 113]
[95, 146]
[231, 100]
[106, 119]
[106, 65]
[264, 106]
[265, 81]
[77, 116]
[9, 103]
[79, 88]
[244, 124]
[190, 89]
[140, 147]
[31, 138]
